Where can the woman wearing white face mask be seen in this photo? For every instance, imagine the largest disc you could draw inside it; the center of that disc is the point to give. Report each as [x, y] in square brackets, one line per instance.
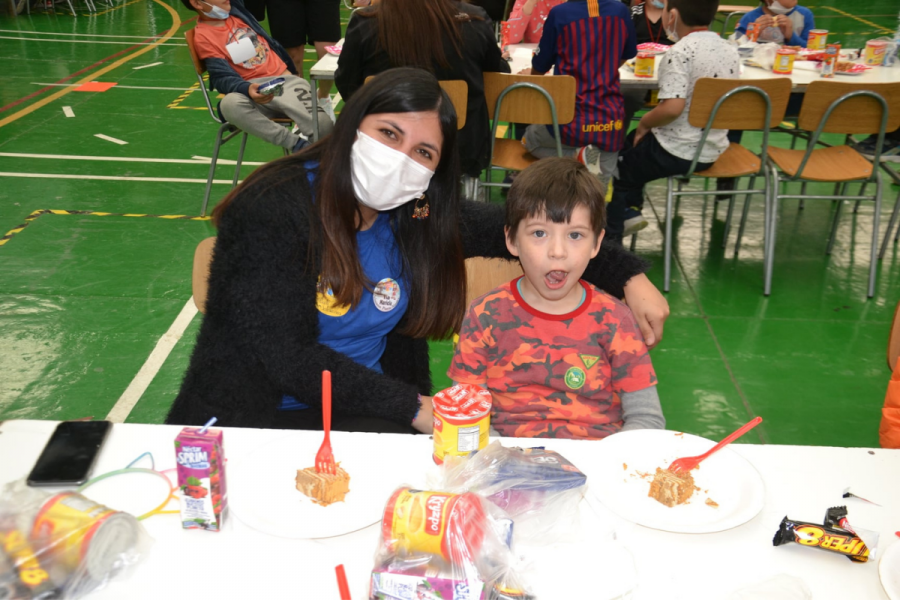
[781, 21]
[348, 257]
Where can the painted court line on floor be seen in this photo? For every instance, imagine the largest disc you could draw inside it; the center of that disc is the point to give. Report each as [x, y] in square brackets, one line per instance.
[121, 87]
[146, 66]
[178, 161]
[21, 32]
[6, 37]
[113, 178]
[152, 365]
[67, 110]
[176, 25]
[110, 139]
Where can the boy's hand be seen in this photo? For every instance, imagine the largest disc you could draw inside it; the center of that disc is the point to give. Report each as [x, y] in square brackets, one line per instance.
[641, 131]
[649, 307]
[257, 97]
[766, 21]
[424, 421]
[786, 26]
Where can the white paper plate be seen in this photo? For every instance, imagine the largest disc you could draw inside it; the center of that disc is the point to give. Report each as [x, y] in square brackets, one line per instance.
[889, 570]
[725, 478]
[262, 491]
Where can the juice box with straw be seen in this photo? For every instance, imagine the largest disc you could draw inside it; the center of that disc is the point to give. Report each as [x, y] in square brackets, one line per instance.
[200, 457]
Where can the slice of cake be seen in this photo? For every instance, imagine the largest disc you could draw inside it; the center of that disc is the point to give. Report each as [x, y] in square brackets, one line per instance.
[671, 488]
[323, 488]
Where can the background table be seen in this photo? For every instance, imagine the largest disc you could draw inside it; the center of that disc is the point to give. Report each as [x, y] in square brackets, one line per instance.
[801, 482]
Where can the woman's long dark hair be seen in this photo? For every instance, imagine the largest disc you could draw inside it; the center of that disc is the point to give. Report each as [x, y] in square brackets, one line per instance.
[413, 32]
[431, 249]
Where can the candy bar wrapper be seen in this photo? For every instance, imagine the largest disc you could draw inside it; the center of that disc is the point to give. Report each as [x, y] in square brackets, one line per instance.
[827, 538]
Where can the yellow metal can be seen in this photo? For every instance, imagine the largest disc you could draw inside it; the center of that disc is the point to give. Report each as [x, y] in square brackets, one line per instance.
[644, 64]
[462, 420]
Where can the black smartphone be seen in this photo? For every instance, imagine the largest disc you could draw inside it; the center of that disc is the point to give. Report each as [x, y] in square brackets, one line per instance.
[70, 454]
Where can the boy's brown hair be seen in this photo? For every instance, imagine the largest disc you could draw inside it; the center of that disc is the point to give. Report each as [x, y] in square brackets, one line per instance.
[555, 186]
[695, 13]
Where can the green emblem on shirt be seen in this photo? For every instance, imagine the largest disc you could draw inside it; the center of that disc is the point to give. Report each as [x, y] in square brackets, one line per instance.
[575, 378]
[588, 360]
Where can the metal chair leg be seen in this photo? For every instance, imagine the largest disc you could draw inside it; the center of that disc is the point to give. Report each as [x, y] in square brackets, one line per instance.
[837, 217]
[801, 205]
[873, 262]
[633, 241]
[730, 212]
[772, 218]
[745, 213]
[212, 169]
[670, 207]
[862, 192]
[240, 159]
[891, 224]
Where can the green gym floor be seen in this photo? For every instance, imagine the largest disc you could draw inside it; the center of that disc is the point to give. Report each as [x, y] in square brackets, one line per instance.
[95, 271]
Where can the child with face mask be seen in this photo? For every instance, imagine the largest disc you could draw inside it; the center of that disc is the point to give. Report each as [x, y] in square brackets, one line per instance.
[240, 56]
[664, 142]
[560, 357]
[781, 21]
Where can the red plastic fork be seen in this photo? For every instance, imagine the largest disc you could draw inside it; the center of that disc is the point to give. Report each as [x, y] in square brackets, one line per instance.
[324, 457]
[690, 463]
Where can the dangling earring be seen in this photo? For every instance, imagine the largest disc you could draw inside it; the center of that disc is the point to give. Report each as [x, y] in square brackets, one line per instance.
[421, 212]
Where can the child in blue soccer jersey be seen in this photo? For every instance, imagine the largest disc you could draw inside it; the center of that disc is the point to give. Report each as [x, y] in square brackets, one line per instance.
[781, 21]
[589, 40]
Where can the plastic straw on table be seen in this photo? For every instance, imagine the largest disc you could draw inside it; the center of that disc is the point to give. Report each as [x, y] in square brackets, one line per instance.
[343, 588]
[209, 424]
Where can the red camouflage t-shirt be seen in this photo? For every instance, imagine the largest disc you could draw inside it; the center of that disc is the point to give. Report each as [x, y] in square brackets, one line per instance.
[553, 375]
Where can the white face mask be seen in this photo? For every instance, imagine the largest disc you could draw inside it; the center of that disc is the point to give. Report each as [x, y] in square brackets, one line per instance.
[672, 33]
[384, 178]
[218, 13]
[658, 4]
[778, 9]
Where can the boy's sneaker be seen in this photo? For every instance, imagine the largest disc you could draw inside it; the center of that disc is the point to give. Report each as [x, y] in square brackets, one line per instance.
[890, 151]
[634, 222]
[302, 143]
[326, 105]
[589, 156]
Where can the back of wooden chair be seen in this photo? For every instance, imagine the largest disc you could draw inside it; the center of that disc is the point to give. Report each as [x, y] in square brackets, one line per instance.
[745, 110]
[860, 115]
[525, 105]
[485, 274]
[198, 64]
[200, 273]
[458, 90]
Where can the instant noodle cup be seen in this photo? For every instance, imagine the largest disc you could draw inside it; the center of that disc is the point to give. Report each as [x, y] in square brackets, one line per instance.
[644, 64]
[875, 52]
[784, 61]
[462, 419]
[817, 39]
[451, 526]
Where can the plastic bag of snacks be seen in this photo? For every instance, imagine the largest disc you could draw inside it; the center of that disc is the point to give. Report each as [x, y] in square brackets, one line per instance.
[538, 488]
[63, 545]
[444, 545]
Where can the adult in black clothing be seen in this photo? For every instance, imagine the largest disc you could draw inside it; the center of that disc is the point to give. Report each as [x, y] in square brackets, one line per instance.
[450, 39]
[648, 27]
[328, 259]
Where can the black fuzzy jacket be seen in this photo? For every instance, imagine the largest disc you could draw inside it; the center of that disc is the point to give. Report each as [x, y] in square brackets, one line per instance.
[259, 338]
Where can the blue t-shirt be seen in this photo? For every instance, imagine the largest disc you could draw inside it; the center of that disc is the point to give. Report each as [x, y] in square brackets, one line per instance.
[361, 333]
[801, 18]
[588, 39]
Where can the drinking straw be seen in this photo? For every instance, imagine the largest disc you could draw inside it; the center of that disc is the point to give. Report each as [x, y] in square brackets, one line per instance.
[209, 424]
[343, 588]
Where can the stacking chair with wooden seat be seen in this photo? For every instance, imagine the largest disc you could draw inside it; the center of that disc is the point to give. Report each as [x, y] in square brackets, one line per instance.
[729, 104]
[458, 90]
[844, 108]
[527, 99]
[226, 132]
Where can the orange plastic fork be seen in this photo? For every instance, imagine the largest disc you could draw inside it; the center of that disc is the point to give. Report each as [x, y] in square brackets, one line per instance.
[690, 463]
[324, 457]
